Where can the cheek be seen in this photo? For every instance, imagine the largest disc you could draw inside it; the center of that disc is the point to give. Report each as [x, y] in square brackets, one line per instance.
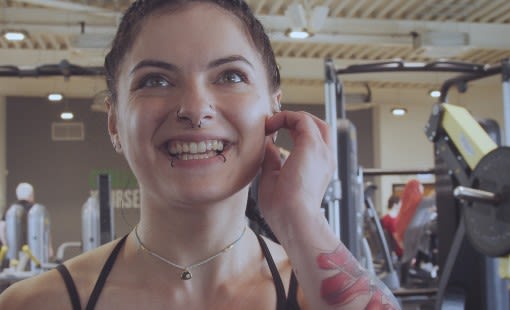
[253, 117]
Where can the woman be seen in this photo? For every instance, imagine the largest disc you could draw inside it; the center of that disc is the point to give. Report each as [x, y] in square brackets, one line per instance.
[194, 109]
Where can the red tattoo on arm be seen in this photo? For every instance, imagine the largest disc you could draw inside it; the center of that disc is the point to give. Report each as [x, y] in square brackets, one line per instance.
[350, 282]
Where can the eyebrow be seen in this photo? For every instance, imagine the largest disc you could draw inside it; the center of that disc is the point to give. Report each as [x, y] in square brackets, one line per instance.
[154, 63]
[229, 59]
[171, 67]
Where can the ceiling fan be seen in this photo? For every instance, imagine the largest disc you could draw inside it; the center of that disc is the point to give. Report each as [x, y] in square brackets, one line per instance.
[305, 20]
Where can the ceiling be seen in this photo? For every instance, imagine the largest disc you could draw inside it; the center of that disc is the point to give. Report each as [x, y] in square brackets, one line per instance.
[354, 32]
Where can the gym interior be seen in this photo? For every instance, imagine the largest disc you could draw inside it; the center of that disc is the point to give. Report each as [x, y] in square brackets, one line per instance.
[412, 90]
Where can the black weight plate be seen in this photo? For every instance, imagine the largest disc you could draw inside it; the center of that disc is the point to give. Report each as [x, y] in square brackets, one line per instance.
[488, 225]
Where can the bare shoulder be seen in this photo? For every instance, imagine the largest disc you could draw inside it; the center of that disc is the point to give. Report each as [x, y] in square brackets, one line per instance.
[40, 292]
[48, 291]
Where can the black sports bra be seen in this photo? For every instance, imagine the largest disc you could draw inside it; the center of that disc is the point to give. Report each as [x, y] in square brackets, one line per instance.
[282, 302]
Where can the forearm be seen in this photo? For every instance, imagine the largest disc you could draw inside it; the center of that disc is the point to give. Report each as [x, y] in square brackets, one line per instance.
[328, 274]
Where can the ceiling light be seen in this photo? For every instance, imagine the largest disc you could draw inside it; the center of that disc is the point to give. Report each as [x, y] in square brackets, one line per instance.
[54, 97]
[398, 111]
[14, 35]
[67, 115]
[435, 93]
[298, 34]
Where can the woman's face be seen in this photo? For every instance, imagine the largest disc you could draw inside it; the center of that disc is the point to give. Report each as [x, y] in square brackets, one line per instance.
[198, 62]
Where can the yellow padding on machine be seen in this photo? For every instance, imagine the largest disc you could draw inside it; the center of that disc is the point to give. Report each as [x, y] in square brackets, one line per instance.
[3, 251]
[467, 135]
[27, 251]
[504, 267]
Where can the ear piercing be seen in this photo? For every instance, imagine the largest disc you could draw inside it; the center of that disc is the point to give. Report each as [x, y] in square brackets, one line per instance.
[117, 146]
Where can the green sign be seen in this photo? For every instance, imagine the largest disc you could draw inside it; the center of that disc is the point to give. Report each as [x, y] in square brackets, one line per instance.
[119, 179]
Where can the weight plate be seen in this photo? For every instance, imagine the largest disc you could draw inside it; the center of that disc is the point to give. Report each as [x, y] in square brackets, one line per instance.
[488, 225]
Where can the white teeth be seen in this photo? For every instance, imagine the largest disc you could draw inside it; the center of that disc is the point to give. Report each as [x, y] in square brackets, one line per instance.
[201, 147]
[193, 148]
[179, 147]
[185, 148]
[209, 154]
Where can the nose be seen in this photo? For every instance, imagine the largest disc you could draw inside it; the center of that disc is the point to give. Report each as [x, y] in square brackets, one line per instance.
[196, 107]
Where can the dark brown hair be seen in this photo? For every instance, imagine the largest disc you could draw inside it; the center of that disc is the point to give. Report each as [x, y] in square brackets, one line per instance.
[140, 10]
[394, 199]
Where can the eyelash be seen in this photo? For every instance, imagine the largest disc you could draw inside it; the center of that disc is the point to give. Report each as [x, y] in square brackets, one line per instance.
[153, 78]
[223, 78]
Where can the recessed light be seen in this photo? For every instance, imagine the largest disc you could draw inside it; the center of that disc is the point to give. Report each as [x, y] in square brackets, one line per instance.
[67, 115]
[55, 97]
[435, 93]
[298, 34]
[14, 35]
[398, 111]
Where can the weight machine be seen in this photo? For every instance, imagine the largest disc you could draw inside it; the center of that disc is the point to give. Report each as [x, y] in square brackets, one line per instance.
[472, 178]
[478, 182]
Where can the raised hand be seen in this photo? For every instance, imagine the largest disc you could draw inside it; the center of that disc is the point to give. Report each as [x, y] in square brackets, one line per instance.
[300, 183]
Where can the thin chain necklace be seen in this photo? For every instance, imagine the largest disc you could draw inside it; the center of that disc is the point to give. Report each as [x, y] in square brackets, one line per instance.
[186, 270]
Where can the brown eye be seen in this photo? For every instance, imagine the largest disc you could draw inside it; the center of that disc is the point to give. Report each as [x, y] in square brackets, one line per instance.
[231, 77]
[154, 82]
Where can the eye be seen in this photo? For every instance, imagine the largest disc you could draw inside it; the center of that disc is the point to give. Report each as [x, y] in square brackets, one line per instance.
[154, 81]
[231, 77]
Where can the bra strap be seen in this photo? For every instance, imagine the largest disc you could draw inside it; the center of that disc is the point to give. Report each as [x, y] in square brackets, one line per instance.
[71, 287]
[94, 296]
[280, 289]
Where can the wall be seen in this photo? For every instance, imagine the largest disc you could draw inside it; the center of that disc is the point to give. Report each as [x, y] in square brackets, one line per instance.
[59, 170]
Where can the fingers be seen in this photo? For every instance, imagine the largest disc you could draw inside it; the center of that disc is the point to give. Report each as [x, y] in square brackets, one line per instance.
[272, 159]
[299, 124]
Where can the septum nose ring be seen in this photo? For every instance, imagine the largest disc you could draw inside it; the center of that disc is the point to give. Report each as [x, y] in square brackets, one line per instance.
[193, 125]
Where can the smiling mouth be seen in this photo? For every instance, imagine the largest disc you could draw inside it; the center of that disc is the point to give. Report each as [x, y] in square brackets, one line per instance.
[181, 150]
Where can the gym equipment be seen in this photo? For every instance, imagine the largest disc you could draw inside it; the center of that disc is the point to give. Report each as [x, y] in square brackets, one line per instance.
[476, 169]
[388, 274]
[106, 218]
[33, 260]
[480, 288]
[344, 199]
[15, 222]
[90, 231]
[31, 231]
[38, 236]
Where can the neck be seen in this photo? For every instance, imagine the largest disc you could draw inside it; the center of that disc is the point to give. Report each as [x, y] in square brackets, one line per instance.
[187, 234]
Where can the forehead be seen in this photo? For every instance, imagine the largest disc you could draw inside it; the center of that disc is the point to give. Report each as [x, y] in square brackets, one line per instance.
[194, 32]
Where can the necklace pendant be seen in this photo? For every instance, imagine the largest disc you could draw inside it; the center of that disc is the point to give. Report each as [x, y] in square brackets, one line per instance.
[186, 275]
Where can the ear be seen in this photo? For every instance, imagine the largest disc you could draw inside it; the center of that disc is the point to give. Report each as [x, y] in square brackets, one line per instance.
[112, 123]
[277, 107]
[276, 104]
